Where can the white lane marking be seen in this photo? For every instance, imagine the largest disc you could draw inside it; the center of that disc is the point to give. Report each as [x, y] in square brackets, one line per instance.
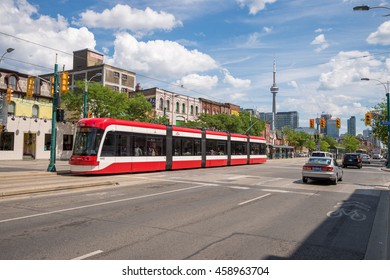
[284, 191]
[88, 255]
[239, 188]
[268, 181]
[104, 203]
[253, 199]
[237, 177]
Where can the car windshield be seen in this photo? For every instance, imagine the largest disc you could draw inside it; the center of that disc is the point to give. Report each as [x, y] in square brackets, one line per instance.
[326, 161]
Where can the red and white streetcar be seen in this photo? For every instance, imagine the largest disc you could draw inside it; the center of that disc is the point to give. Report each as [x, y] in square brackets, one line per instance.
[111, 146]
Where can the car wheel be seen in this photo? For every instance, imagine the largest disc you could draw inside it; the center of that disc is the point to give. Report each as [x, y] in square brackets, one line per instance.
[304, 179]
[334, 182]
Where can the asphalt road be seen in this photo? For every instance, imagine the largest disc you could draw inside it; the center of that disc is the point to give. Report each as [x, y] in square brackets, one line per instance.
[243, 212]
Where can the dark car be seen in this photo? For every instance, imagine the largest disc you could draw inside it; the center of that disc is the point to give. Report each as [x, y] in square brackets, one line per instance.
[352, 160]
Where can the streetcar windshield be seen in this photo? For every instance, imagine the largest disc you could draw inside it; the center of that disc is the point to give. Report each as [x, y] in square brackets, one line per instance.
[87, 141]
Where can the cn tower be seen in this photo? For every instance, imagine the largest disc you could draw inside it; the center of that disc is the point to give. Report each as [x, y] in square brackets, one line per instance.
[274, 90]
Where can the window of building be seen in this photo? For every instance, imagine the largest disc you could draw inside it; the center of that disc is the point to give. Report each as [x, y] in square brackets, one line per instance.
[12, 81]
[168, 106]
[192, 109]
[196, 110]
[47, 142]
[35, 111]
[183, 108]
[177, 107]
[7, 141]
[124, 77]
[161, 104]
[11, 108]
[116, 74]
[68, 142]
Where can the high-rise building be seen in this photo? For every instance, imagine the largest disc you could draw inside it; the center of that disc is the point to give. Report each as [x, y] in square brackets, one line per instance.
[326, 117]
[287, 119]
[351, 126]
[331, 129]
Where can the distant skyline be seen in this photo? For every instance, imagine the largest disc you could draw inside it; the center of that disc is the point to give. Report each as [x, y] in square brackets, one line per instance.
[219, 50]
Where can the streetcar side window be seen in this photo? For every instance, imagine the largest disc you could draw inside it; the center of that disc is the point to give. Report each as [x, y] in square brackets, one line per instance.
[156, 145]
[258, 149]
[123, 141]
[238, 148]
[215, 147]
[176, 146]
[139, 145]
[108, 149]
[186, 146]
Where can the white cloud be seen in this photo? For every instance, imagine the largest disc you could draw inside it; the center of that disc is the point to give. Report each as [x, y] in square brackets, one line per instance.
[158, 58]
[254, 5]
[348, 67]
[235, 82]
[195, 81]
[22, 20]
[320, 40]
[124, 17]
[381, 36]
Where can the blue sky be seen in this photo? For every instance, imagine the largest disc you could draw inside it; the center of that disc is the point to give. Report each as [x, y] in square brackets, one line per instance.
[220, 50]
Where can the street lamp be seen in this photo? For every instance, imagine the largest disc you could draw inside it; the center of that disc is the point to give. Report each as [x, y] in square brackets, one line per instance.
[386, 86]
[366, 8]
[86, 93]
[7, 51]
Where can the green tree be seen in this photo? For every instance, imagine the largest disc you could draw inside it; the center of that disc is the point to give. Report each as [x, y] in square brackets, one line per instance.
[324, 145]
[330, 140]
[350, 143]
[105, 102]
[138, 108]
[243, 124]
[298, 139]
[379, 113]
[310, 144]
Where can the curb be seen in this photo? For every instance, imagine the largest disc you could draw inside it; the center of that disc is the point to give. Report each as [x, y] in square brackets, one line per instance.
[57, 188]
[378, 246]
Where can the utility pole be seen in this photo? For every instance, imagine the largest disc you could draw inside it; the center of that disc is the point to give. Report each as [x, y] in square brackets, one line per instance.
[52, 164]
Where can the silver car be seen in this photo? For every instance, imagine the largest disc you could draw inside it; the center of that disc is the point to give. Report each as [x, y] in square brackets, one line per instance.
[322, 168]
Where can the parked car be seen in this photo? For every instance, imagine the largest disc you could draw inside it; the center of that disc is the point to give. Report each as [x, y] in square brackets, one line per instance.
[376, 156]
[365, 158]
[322, 168]
[352, 159]
[321, 154]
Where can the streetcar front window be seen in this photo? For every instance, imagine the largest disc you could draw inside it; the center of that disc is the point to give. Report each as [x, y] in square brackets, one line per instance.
[87, 141]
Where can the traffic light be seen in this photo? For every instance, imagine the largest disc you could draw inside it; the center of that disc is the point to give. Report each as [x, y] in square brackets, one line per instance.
[338, 123]
[64, 83]
[60, 117]
[368, 119]
[9, 95]
[311, 123]
[323, 123]
[52, 86]
[30, 87]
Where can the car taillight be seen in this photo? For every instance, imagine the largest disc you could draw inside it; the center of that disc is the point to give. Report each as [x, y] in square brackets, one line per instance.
[327, 168]
[307, 168]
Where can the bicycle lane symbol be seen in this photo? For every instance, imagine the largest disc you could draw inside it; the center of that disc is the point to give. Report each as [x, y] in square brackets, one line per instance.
[352, 209]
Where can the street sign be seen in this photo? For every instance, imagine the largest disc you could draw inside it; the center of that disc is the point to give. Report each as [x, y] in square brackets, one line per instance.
[384, 123]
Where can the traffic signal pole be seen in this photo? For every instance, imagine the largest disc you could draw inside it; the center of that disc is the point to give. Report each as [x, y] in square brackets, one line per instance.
[52, 164]
[388, 127]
